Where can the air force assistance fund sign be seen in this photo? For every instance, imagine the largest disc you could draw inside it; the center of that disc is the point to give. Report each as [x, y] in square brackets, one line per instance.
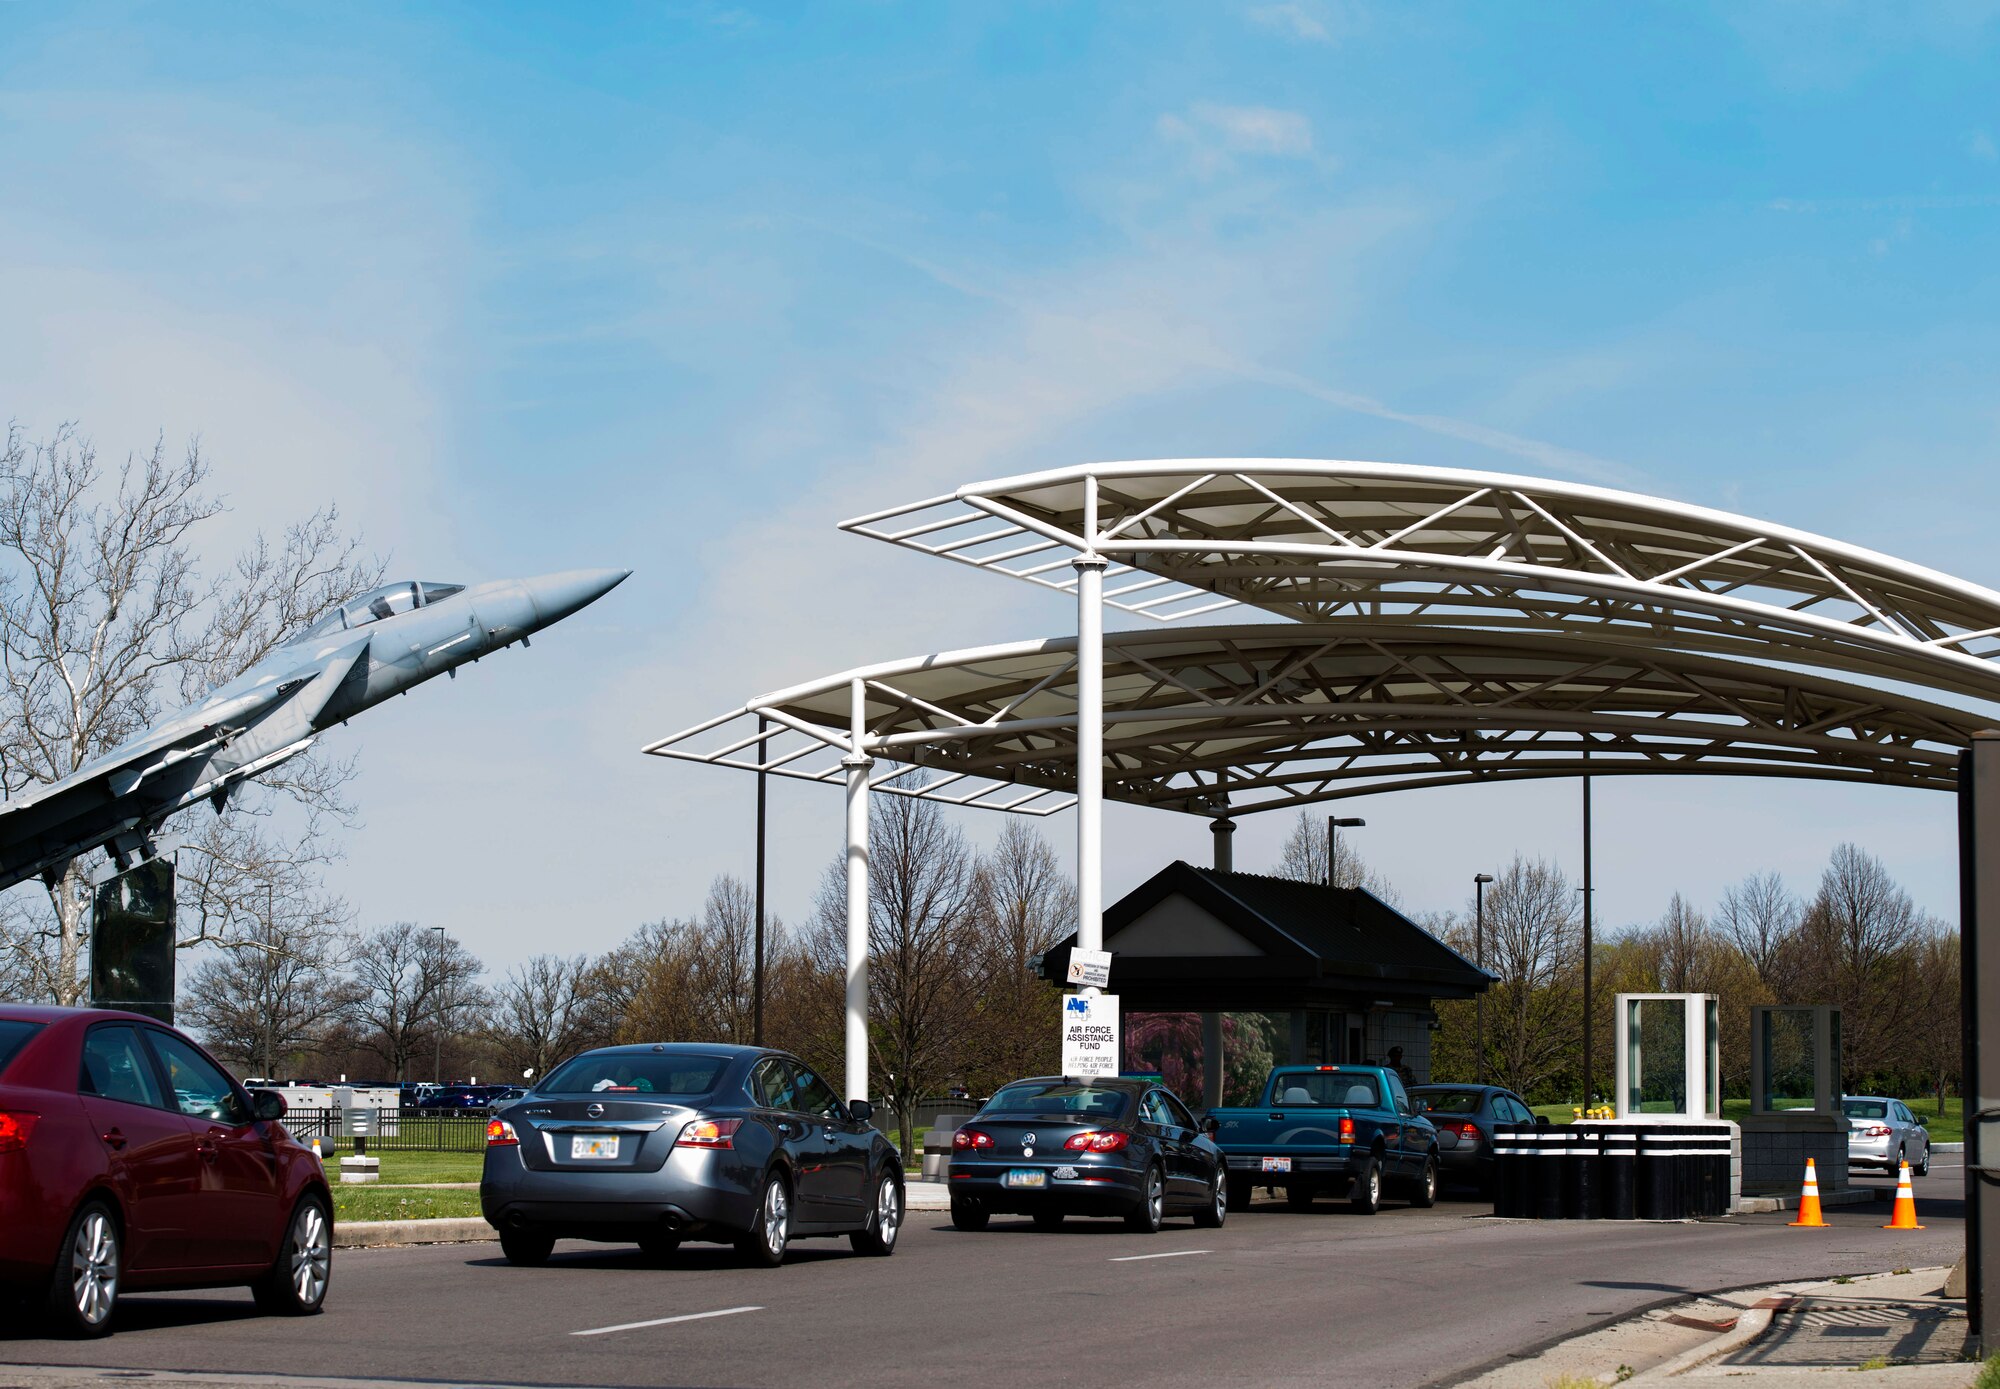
[1090, 1035]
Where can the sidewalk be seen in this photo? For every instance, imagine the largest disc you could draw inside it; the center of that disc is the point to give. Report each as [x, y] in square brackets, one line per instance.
[1893, 1329]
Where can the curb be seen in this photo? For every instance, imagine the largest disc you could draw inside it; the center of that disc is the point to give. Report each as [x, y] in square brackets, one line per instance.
[386, 1234]
[1764, 1205]
[1748, 1327]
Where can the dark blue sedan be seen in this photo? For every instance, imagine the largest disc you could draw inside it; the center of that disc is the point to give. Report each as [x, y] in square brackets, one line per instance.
[1050, 1147]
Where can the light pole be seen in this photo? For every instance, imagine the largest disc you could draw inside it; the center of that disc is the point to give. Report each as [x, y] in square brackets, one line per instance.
[1334, 825]
[437, 1055]
[1479, 882]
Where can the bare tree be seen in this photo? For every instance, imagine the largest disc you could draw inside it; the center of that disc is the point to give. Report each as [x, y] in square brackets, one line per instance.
[1854, 949]
[1303, 859]
[924, 961]
[1758, 916]
[1534, 944]
[1025, 904]
[105, 616]
[542, 1013]
[412, 988]
[278, 991]
[689, 980]
[1682, 940]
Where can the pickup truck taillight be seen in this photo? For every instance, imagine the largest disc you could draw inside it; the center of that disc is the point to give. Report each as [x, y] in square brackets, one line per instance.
[1346, 1130]
[1096, 1142]
[708, 1133]
[971, 1140]
[500, 1134]
[15, 1126]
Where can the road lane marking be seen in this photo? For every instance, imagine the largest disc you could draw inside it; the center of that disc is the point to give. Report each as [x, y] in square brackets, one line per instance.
[664, 1321]
[1176, 1254]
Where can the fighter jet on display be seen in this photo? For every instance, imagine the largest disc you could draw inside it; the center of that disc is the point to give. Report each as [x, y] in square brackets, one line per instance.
[356, 656]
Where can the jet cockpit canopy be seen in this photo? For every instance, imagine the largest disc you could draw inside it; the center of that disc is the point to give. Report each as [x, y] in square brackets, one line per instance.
[373, 606]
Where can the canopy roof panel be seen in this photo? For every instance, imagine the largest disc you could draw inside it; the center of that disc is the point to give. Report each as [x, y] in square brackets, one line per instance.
[1252, 717]
[1309, 540]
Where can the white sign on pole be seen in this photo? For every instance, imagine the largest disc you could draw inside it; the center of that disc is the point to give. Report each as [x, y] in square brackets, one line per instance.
[1089, 969]
[1090, 1035]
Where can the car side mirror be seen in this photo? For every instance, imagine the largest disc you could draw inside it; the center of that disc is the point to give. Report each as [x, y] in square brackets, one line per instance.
[860, 1110]
[1210, 1125]
[1541, 1121]
[267, 1105]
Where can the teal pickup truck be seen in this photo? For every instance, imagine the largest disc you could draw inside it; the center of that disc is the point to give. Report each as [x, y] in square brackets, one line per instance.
[1324, 1128]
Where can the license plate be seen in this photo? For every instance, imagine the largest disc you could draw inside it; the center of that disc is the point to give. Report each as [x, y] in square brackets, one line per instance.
[1277, 1164]
[1025, 1176]
[580, 1147]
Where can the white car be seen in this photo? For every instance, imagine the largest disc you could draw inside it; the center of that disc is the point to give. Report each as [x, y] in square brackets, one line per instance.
[1881, 1132]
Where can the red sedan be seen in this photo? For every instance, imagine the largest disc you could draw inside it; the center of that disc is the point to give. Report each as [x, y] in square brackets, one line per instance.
[131, 1161]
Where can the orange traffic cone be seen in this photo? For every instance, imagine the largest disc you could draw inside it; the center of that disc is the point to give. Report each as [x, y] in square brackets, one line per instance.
[316, 1152]
[1905, 1217]
[1809, 1215]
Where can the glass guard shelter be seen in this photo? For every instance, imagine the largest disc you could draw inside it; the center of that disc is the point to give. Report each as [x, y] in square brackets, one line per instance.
[1668, 1056]
[1794, 1058]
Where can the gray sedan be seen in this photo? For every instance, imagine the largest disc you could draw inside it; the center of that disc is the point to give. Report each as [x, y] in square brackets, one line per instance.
[664, 1142]
[1881, 1132]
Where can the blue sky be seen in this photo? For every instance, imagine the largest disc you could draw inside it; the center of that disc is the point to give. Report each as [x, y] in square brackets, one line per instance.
[679, 286]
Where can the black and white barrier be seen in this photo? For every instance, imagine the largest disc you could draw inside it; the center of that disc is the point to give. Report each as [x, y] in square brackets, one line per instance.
[1612, 1170]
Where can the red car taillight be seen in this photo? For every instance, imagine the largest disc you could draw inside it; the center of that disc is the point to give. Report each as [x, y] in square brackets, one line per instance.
[1467, 1133]
[15, 1126]
[500, 1134]
[1346, 1130]
[1872, 1131]
[708, 1133]
[973, 1139]
[1093, 1141]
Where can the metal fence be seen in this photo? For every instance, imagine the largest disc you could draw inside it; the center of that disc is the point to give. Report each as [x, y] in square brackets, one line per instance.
[396, 1130]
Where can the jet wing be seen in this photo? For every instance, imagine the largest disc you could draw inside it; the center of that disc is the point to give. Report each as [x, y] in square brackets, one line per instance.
[198, 754]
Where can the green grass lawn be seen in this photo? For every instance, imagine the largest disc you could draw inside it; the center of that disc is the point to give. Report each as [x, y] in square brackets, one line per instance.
[1948, 1127]
[418, 1167]
[376, 1202]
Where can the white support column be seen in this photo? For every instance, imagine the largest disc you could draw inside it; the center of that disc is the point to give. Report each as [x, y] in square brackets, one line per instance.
[1090, 568]
[858, 763]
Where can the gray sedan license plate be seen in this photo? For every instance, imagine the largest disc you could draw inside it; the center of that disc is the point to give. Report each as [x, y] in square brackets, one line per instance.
[581, 1147]
[1025, 1176]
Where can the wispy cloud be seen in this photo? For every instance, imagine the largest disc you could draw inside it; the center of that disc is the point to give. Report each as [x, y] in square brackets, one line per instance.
[1293, 21]
[1215, 135]
[1917, 202]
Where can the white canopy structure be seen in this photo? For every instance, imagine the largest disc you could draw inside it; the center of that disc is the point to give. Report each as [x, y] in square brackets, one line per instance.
[1403, 627]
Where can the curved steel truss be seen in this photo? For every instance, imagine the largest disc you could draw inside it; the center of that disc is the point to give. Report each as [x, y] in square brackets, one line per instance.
[1251, 717]
[1311, 540]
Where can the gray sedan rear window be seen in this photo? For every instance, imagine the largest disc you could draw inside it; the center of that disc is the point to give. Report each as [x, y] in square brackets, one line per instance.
[1447, 1101]
[1865, 1109]
[643, 1073]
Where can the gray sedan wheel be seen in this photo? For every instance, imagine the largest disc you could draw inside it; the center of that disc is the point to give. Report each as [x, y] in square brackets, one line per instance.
[885, 1220]
[1211, 1216]
[1148, 1215]
[763, 1245]
[1923, 1167]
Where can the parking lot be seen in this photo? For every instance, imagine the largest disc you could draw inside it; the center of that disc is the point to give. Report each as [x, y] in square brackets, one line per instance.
[1275, 1297]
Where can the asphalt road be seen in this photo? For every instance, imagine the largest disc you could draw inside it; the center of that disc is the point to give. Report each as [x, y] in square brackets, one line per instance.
[1405, 1298]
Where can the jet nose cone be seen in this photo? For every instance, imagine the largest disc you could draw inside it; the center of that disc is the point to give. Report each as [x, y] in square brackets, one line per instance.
[556, 596]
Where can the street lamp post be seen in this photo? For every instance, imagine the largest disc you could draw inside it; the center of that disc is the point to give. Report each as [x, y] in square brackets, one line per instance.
[437, 1053]
[1479, 882]
[1334, 825]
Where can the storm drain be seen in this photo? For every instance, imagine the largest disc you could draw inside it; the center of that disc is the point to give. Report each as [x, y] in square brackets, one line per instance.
[1825, 1332]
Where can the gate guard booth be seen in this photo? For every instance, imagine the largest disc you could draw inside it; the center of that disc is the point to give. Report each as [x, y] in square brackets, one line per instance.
[1794, 1101]
[1668, 1155]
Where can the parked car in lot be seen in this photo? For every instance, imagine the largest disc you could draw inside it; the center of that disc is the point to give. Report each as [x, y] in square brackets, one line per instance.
[1048, 1147]
[1329, 1128]
[655, 1144]
[1464, 1116]
[130, 1161]
[1881, 1132]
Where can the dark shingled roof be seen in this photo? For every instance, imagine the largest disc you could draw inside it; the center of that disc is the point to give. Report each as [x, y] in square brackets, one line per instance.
[1306, 930]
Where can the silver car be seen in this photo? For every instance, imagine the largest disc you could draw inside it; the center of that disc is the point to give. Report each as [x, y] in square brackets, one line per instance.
[1881, 1132]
